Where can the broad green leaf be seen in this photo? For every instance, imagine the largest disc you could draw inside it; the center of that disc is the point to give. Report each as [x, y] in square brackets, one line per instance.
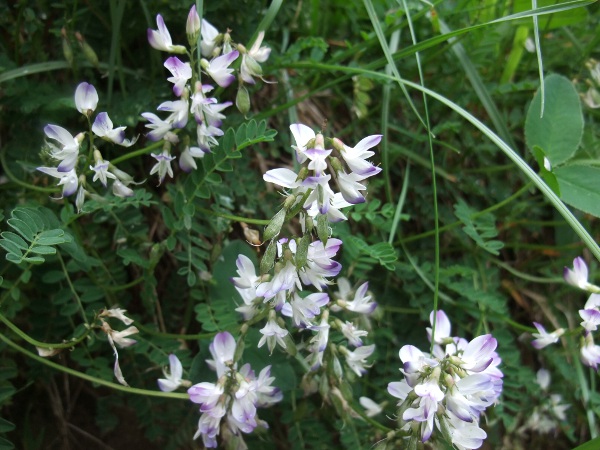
[34, 259]
[580, 187]
[10, 247]
[560, 130]
[594, 444]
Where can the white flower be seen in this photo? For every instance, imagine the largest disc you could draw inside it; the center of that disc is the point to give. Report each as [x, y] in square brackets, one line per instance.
[209, 34]
[117, 313]
[181, 72]
[121, 190]
[371, 408]
[86, 98]
[69, 146]
[250, 66]
[163, 165]
[302, 135]
[543, 338]
[102, 173]
[272, 334]
[68, 180]
[158, 126]
[578, 277]
[443, 327]
[361, 303]
[353, 334]
[178, 110]
[356, 360]
[356, 157]
[219, 70]
[172, 378]
[161, 39]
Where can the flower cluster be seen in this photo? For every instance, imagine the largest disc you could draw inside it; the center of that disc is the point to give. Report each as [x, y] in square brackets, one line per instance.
[65, 148]
[311, 183]
[229, 406]
[590, 316]
[218, 52]
[449, 389]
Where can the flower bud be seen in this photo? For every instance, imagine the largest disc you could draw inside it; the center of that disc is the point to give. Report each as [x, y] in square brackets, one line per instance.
[336, 164]
[338, 145]
[192, 27]
[322, 228]
[319, 141]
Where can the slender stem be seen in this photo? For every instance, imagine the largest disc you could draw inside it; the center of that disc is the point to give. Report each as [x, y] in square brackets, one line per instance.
[233, 217]
[141, 151]
[16, 180]
[90, 378]
[30, 340]
[64, 268]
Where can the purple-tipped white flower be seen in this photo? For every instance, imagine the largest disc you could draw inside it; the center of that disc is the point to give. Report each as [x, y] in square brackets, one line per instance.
[362, 303]
[163, 165]
[590, 352]
[68, 150]
[187, 160]
[357, 359]
[86, 98]
[206, 136]
[543, 338]
[158, 126]
[319, 341]
[303, 309]
[172, 378]
[181, 72]
[68, 180]
[371, 408]
[161, 39]
[272, 334]
[179, 112]
[302, 135]
[103, 127]
[101, 172]
[352, 333]
[356, 157]
[219, 70]
[578, 277]
[222, 350]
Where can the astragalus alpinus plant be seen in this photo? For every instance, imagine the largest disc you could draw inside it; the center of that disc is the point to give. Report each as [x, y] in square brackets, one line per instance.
[311, 238]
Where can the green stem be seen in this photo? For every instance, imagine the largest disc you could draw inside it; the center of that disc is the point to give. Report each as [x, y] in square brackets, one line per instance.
[233, 217]
[16, 180]
[64, 268]
[36, 343]
[84, 376]
[141, 151]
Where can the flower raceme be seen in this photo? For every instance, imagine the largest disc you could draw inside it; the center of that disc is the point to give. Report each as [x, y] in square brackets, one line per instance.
[229, 406]
[314, 181]
[65, 148]
[447, 391]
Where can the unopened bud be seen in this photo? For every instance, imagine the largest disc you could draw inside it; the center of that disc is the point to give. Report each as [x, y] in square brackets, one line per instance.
[289, 202]
[336, 164]
[192, 27]
[319, 141]
[302, 174]
[338, 145]
[242, 100]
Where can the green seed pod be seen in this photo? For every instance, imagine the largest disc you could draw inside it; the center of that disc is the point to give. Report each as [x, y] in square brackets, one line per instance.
[274, 227]
[302, 251]
[242, 100]
[323, 228]
[67, 51]
[268, 260]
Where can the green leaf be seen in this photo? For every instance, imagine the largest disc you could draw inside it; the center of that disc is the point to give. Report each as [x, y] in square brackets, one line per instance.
[553, 21]
[15, 239]
[481, 229]
[580, 187]
[6, 426]
[43, 250]
[22, 228]
[594, 444]
[560, 130]
[547, 175]
[5, 444]
[10, 247]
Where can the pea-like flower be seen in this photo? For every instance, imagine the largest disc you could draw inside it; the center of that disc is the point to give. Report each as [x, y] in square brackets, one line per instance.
[161, 39]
